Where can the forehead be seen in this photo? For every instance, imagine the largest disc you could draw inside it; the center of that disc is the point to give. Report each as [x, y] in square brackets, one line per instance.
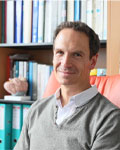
[71, 38]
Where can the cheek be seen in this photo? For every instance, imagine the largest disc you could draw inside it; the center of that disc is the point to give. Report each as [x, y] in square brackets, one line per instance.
[56, 62]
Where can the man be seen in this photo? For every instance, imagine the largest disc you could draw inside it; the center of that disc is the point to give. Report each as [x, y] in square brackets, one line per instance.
[77, 116]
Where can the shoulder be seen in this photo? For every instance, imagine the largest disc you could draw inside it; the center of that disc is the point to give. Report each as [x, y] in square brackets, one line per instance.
[100, 109]
[105, 104]
[103, 110]
[39, 106]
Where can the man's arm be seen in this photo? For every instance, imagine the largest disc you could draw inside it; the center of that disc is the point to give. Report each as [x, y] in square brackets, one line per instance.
[108, 135]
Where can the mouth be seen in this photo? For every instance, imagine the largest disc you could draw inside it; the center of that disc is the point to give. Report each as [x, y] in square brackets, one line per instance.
[66, 72]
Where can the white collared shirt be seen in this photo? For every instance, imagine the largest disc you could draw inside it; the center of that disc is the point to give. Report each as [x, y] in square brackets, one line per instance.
[77, 100]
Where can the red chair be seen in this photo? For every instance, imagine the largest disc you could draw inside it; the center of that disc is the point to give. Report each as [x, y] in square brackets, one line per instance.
[107, 86]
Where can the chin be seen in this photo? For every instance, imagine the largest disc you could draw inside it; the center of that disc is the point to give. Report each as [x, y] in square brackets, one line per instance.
[64, 82]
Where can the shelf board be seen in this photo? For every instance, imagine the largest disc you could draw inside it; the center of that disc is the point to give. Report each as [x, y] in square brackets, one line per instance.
[15, 102]
[29, 46]
[103, 43]
[37, 46]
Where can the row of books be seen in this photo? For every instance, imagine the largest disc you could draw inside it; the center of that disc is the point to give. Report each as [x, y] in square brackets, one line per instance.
[36, 74]
[98, 72]
[26, 21]
[11, 121]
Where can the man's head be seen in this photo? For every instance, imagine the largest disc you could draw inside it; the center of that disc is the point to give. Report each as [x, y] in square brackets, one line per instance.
[94, 42]
[73, 58]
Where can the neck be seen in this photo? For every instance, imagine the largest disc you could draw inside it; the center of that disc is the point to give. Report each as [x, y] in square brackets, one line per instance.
[69, 91]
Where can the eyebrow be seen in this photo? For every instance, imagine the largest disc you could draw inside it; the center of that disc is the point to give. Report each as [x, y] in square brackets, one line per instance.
[79, 51]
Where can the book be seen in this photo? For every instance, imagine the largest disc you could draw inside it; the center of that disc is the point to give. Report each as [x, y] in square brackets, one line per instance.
[89, 13]
[70, 10]
[62, 11]
[83, 11]
[98, 17]
[104, 20]
[4, 21]
[77, 10]
[12, 67]
[5, 126]
[26, 69]
[17, 121]
[41, 21]
[16, 98]
[35, 14]
[17, 69]
[50, 20]
[18, 28]
[10, 21]
[27, 21]
[30, 79]
[21, 69]
[25, 110]
[44, 72]
[34, 82]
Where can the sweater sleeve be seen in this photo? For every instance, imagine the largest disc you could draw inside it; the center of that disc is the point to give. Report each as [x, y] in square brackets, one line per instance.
[108, 135]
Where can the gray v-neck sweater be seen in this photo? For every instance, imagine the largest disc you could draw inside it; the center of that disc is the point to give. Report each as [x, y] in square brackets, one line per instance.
[93, 126]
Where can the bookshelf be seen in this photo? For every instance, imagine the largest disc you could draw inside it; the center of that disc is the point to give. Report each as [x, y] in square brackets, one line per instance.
[41, 52]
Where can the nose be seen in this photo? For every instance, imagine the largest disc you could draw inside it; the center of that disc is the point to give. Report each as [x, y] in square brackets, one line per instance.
[66, 61]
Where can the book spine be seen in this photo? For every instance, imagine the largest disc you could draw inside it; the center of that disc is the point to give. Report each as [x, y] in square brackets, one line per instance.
[27, 20]
[89, 13]
[70, 10]
[35, 21]
[26, 69]
[83, 11]
[50, 20]
[18, 21]
[10, 22]
[17, 69]
[62, 11]
[30, 79]
[104, 21]
[35, 70]
[41, 21]
[77, 10]
[5, 29]
[3, 26]
[21, 69]
[98, 18]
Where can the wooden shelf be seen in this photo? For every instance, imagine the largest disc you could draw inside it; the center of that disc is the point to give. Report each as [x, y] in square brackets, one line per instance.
[103, 43]
[15, 102]
[29, 46]
[37, 46]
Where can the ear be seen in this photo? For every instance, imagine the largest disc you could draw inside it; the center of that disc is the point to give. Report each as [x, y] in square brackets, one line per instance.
[93, 61]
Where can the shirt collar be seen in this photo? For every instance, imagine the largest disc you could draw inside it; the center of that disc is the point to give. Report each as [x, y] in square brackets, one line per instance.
[81, 98]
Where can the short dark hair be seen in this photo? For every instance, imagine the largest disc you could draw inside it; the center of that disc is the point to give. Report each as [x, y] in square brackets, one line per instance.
[94, 42]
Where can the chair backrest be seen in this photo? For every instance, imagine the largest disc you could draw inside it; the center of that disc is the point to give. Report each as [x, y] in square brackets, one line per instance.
[109, 86]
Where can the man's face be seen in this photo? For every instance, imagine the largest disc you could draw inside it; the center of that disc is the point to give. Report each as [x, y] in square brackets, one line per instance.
[71, 61]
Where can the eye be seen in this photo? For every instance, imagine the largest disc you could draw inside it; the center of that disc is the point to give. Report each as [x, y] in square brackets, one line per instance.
[59, 52]
[77, 54]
